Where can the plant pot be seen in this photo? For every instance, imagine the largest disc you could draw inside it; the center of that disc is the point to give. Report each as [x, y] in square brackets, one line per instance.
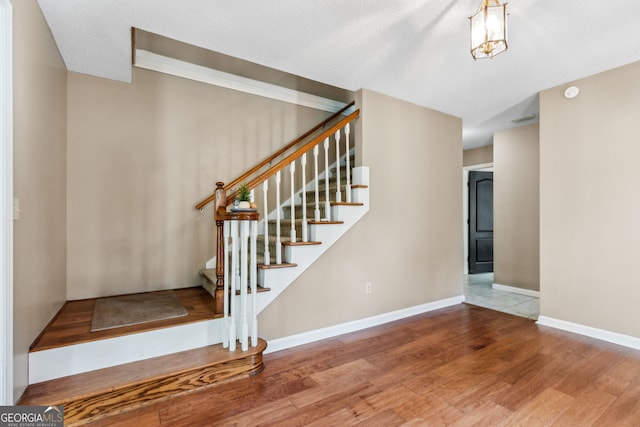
[244, 205]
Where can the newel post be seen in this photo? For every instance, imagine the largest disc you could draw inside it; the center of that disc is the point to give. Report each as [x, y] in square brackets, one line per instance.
[220, 209]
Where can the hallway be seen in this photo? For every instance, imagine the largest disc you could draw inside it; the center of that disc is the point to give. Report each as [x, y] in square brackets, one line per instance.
[478, 291]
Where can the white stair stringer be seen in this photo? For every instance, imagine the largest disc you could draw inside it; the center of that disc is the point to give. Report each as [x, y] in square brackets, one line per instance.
[278, 279]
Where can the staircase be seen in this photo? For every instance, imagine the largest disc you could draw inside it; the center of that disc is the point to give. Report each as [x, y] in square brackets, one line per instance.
[273, 278]
[268, 254]
[259, 254]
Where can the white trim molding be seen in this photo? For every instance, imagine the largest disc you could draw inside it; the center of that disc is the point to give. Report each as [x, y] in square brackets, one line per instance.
[163, 64]
[514, 290]
[356, 325]
[600, 334]
[6, 203]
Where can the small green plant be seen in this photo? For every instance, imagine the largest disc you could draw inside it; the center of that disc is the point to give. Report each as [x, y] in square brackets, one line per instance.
[244, 193]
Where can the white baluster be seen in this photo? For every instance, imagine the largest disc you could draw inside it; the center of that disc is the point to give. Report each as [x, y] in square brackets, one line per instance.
[278, 242]
[232, 285]
[347, 189]
[316, 213]
[253, 269]
[305, 232]
[292, 170]
[267, 255]
[338, 193]
[244, 271]
[225, 332]
[327, 204]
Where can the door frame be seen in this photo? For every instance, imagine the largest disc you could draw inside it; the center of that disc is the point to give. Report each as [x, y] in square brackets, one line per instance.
[488, 167]
[6, 203]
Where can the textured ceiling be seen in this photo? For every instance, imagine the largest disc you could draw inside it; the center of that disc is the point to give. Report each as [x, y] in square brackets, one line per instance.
[415, 50]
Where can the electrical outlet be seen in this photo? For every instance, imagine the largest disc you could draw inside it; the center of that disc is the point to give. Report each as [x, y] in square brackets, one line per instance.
[368, 288]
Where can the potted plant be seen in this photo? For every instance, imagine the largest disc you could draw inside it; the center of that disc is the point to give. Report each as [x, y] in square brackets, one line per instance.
[244, 197]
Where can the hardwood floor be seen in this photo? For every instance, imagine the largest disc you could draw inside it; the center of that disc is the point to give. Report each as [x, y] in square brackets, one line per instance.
[72, 324]
[459, 366]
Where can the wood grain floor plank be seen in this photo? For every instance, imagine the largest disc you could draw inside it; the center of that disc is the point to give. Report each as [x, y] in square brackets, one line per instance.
[399, 399]
[437, 411]
[333, 380]
[533, 384]
[263, 414]
[488, 414]
[143, 419]
[587, 407]
[544, 409]
[402, 369]
[624, 411]
[343, 397]
[584, 373]
[383, 418]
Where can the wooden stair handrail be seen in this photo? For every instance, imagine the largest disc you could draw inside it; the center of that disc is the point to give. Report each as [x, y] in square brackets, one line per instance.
[298, 153]
[275, 155]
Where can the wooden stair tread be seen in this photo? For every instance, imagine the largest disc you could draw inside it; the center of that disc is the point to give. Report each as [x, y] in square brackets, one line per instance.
[300, 243]
[259, 288]
[133, 385]
[346, 204]
[324, 222]
[273, 266]
[210, 274]
[359, 186]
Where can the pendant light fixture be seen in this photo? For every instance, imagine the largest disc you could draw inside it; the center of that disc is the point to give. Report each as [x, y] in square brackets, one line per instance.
[489, 29]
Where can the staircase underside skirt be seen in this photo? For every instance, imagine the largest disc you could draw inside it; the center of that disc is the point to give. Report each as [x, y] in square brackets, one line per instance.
[304, 255]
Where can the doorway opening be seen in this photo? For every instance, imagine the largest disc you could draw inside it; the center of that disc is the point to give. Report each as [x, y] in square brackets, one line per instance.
[478, 287]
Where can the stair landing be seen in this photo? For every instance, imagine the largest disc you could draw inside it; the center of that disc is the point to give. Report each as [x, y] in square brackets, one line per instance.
[72, 324]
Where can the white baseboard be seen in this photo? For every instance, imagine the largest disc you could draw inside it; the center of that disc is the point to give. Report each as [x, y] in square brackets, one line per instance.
[601, 334]
[515, 290]
[356, 325]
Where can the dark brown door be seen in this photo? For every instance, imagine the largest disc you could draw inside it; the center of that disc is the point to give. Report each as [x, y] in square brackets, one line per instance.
[480, 222]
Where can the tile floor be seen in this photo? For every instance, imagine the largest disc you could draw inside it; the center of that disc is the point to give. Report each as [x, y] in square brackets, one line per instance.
[478, 291]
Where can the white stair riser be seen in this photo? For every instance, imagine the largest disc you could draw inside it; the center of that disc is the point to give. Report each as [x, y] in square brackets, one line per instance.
[74, 359]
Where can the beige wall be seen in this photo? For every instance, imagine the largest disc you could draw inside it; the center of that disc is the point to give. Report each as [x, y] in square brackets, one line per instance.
[140, 156]
[516, 211]
[409, 245]
[478, 156]
[40, 82]
[589, 204]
